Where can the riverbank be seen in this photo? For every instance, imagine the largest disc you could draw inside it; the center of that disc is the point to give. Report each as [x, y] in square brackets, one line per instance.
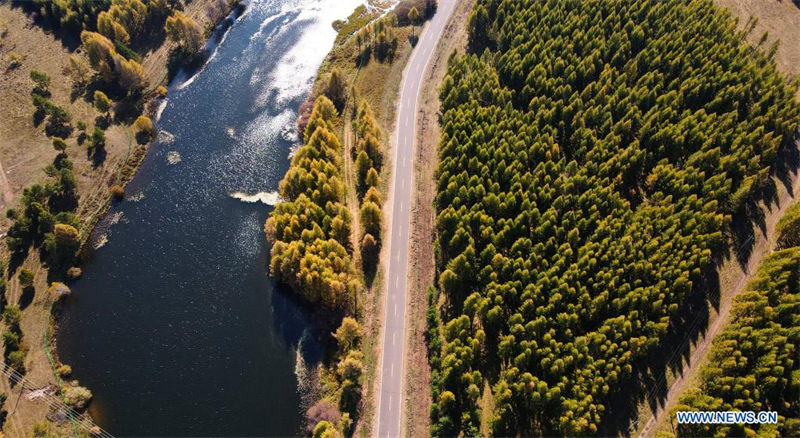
[24, 152]
[375, 81]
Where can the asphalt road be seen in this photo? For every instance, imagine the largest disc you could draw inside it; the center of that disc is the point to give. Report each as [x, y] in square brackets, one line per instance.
[391, 378]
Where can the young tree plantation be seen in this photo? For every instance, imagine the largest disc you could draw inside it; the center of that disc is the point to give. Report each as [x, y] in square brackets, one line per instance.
[591, 159]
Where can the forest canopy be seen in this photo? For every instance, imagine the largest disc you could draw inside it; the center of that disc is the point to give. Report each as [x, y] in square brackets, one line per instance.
[753, 364]
[592, 157]
[310, 228]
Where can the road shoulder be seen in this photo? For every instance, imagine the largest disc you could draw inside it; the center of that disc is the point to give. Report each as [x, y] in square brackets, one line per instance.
[421, 261]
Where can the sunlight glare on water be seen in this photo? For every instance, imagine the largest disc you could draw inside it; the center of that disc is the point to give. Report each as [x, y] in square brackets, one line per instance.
[175, 326]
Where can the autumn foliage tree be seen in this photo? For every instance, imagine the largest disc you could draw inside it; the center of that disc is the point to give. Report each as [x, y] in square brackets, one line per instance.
[336, 90]
[310, 229]
[184, 31]
[112, 66]
[369, 161]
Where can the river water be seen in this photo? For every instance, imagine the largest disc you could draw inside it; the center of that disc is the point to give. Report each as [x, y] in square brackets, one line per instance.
[175, 326]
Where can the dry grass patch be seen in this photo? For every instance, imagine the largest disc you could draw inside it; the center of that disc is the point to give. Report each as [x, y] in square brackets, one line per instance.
[25, 151]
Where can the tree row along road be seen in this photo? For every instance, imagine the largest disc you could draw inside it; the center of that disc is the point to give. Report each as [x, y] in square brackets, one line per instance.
[391, 376]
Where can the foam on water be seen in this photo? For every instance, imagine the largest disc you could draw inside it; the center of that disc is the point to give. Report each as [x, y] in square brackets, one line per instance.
[308, 384]
[268, 198]
[266, 127]
[173, 157]
[165, 137]
[263, 26]
[160, 109]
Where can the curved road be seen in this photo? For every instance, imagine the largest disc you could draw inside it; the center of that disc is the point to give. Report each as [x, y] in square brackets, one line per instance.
[392, 368]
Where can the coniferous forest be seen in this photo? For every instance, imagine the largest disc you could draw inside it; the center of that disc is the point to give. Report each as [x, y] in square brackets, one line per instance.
[753, 363]
[593, 157]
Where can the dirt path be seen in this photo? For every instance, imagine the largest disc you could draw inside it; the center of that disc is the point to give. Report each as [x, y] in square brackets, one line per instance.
[762, 247]
[5, 188]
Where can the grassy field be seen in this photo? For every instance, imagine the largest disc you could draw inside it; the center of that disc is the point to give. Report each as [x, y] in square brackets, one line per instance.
[25, 151]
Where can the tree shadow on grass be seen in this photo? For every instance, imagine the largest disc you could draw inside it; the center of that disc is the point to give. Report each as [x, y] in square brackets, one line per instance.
[686, 329]
[26, 298]
[652, 373]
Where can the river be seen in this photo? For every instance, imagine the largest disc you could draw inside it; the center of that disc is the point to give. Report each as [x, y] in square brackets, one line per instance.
[175, 326]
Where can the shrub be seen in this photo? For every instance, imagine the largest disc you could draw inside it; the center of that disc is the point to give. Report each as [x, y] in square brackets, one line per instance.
[64, 371]
[144, 129]
[98, 139]
[101, 101]
[12, 316]
[117, 192]
[66, 236]
[322, 410]
[351, 367]
[59, 144]
[58, 290]
[10, 340]
[41, 430]
[14, 60]
[57, 121]
[61, 245]
[325, 429]
[161, 91]
[41, 83]
[16, 360]
[351, 397]
[77, 397]
[303, 114]
[25, 277]
[79, 71]
[74, 273]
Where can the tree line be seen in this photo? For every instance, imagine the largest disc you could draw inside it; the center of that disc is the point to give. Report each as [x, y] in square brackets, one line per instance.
[591, 159]
[309, 230]
[753, 364]
[369, 162]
